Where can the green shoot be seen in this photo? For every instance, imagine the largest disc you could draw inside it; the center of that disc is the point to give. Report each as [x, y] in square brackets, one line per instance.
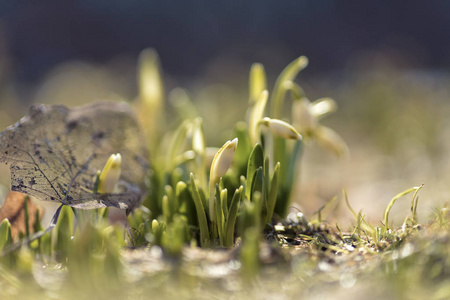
[392, 202]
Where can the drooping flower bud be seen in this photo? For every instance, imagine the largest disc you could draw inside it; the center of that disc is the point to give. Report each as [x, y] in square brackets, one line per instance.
[281, 128]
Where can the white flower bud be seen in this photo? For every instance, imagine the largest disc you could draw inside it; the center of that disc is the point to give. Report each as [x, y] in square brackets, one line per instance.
[110, 174]
[220, 165]
[223, 158]
[281, 129]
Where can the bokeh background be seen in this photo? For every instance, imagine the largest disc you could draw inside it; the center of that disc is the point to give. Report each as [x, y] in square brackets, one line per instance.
[386, 63]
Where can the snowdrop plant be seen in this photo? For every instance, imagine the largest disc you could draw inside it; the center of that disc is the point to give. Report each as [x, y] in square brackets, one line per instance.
[302, 126]
[210, 187]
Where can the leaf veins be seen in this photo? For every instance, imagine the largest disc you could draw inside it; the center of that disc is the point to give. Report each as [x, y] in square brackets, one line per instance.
[55, 152]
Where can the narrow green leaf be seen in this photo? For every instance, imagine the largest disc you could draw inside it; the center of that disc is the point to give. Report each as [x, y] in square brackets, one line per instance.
[255, 114]
[232, 215]
[64, 232]
[266, 173]
[257, 81]
[272, 198]
[153, 200]
[289, 169]
[199, 147]
[224, 202]
[244, 147]
[46, 244]
[186, 203]
[103, 213]
[255, 161]
[258, 184]
[414, 202]
[5, 234]
[219, 218]
[201, 215]
[166, 209]
[243, 181]
[259, 196]
[173, 201]
[177, 143]
[257, 200]
[391, 203]
[27, 216]
[280, 155]
[157, 231]
[37, 221]
[297, 91]
[180, 188]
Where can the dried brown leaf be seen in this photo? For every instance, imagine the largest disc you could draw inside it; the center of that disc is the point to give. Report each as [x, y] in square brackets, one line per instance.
[55, 152]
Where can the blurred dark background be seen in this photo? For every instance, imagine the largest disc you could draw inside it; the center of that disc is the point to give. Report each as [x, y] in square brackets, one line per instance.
[37, 35]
